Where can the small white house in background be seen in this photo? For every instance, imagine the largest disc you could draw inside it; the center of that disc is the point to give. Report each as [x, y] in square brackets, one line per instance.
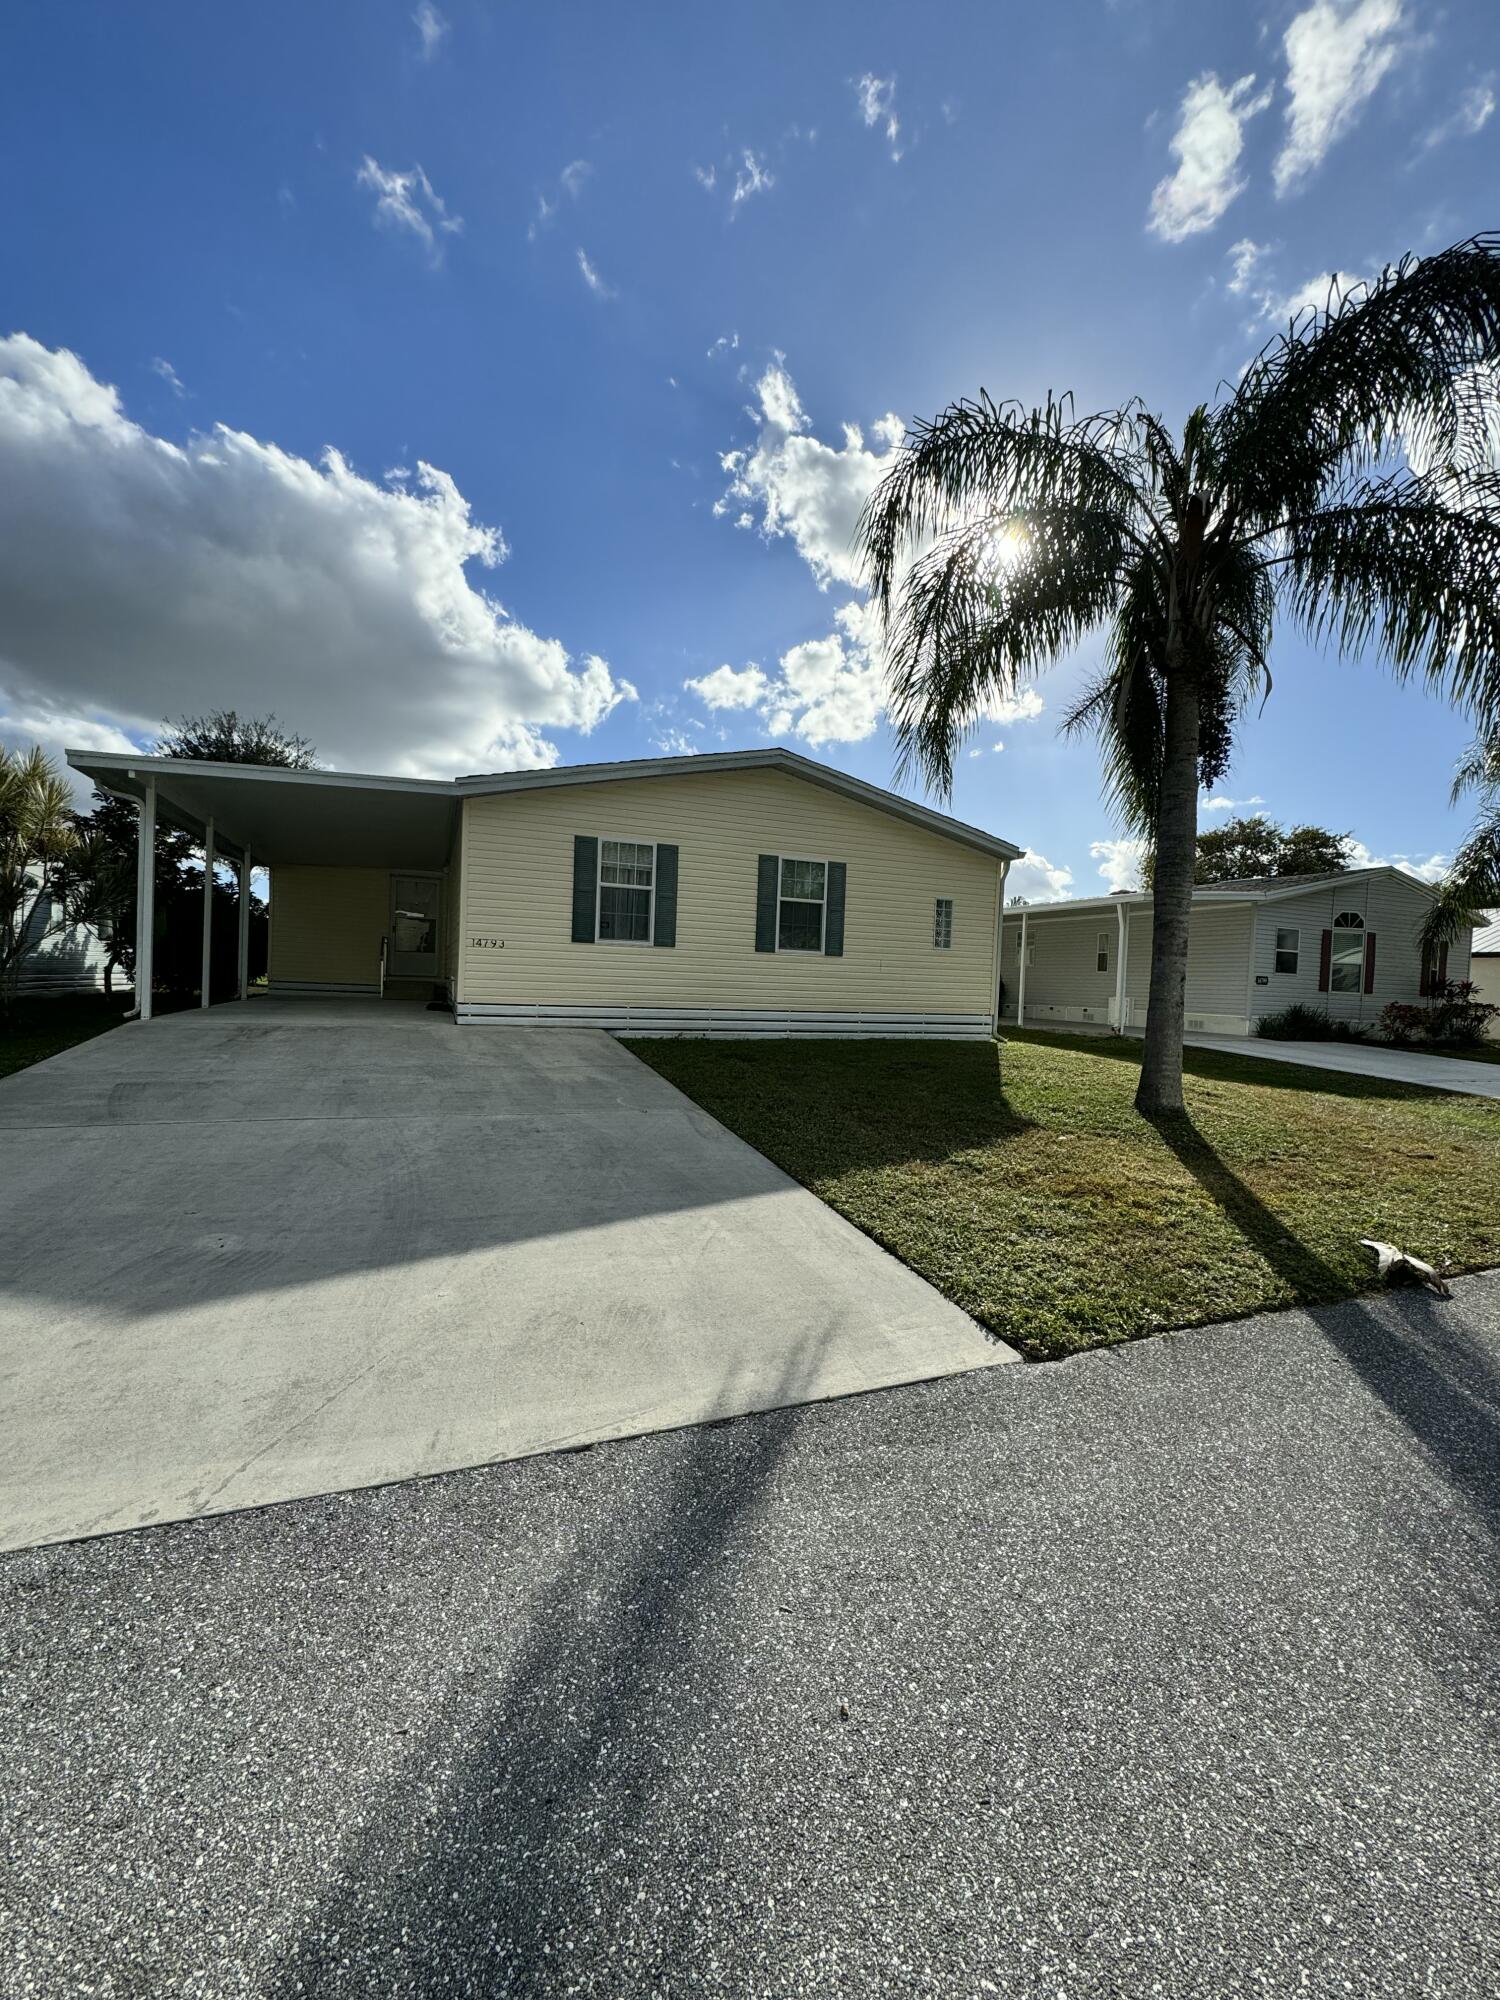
[1484, 964]
[1347, 944]
[67, 960]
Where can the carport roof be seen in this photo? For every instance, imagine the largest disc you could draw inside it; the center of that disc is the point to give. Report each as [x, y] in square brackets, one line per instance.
[352, 818]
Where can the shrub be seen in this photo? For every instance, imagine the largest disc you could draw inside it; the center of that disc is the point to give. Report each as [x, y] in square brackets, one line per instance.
[1456, 1016]
[1401, 1022]
[1297, 1023]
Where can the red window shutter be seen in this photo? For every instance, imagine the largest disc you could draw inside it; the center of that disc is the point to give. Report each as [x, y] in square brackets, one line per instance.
[1369, 961]
[1325, 963]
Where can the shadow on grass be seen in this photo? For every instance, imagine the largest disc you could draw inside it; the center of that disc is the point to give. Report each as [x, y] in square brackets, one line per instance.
[1429, 1374]
[1218, 1066]
[823, 1108]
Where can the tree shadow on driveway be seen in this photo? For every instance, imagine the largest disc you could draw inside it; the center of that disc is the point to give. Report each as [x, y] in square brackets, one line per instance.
[504, 1856]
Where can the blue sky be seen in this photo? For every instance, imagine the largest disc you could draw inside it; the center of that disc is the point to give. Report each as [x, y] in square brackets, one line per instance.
[621, 278]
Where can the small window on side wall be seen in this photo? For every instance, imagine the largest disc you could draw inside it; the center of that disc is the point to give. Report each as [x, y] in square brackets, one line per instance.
[1288, 950]
[942, 924]
[1101, 952]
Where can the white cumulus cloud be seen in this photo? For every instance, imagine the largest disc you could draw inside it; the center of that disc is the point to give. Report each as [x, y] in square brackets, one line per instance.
[141, 579]
[1120, 861]
[1220, 803]
[791, 483]
[827, 690]
[1207, 144]
[1337, 52]
[1035, 879]
[1023, 707]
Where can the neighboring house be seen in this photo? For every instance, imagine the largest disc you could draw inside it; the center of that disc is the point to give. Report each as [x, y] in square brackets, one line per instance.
[748, 892]
[67, 960]
[1484, 964]
[1345, 943]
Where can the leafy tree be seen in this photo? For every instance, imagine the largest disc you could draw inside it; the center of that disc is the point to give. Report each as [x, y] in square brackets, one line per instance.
[1343, 482]
[226, 737]
[1471, 887]
[1257, 846]
[36, 837]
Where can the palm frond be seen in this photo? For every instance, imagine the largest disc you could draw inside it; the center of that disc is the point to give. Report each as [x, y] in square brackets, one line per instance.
[1397, 563]
[1403, 363]
[993, 459]
[970, 624]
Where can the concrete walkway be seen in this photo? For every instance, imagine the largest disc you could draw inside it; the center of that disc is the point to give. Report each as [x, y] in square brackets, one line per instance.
[288, 1248]
[1474, 1079]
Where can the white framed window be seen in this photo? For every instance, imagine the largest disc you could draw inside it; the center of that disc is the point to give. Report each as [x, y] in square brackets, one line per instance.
[1288, 950]
[801, 904]
[942, 924]
[627, 891]
[1101, 952]
[1346, 966]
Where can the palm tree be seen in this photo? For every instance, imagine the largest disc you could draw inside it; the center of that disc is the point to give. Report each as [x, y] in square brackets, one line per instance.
[1472, 885]
[1344, 482]
[36, 836]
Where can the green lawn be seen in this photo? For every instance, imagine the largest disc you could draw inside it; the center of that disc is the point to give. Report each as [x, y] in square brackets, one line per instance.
[1021, 1181]
[36, 1029]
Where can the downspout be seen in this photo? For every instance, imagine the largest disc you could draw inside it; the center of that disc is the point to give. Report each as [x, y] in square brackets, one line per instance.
[1121, 947]
[1021, 979]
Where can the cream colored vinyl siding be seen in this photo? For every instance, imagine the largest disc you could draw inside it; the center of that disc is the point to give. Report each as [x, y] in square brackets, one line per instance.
[1484, 970]
[518, 886]
[326, 925]
[1393, 906]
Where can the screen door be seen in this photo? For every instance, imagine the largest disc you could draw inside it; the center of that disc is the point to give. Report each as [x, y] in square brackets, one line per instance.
[414, 926]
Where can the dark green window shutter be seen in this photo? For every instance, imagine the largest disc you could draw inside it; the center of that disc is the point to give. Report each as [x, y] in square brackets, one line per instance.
[766, 885]
[585, 882]
[664, 923]
[833, 921]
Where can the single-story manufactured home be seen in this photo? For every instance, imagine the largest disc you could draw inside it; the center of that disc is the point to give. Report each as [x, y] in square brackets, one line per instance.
[1344, 943]
[742, 893]
[1484, 964]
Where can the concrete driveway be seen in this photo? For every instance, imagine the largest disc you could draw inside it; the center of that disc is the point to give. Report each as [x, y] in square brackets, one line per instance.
[288, 1248]
[1474, 1079]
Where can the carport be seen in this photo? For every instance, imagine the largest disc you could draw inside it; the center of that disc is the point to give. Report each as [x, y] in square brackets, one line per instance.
[255, 815]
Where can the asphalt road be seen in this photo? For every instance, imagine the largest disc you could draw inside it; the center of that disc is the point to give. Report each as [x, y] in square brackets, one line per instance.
[1172, 1671]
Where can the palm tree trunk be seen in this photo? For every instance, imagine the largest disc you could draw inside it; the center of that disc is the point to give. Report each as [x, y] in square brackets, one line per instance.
[1172, 901]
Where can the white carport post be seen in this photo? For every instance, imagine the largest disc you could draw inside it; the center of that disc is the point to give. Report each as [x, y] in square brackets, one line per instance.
[206, 979]
[145, 899]
[1021, 982]
[1122, 945]
[244, 951]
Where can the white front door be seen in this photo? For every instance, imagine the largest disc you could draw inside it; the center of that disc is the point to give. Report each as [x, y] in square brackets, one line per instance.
[414, 926]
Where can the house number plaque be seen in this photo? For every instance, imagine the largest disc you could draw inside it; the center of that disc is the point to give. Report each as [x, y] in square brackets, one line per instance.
[487, 944]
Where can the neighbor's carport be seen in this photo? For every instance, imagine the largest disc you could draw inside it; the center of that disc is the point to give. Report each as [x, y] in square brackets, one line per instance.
[286, 1247]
